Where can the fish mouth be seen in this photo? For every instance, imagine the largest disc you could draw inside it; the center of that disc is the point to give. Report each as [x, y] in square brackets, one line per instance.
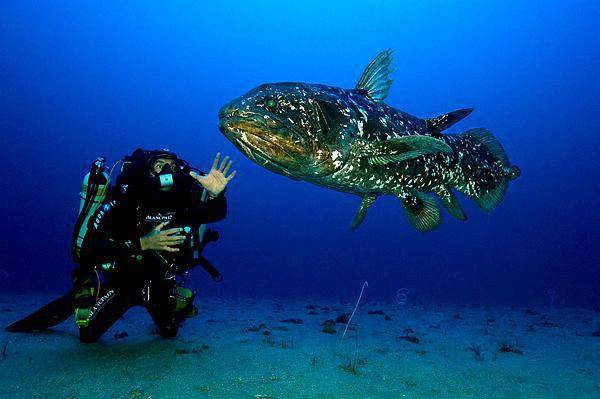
[246, 130]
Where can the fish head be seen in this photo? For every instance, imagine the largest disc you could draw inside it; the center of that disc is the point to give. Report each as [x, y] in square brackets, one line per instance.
[281, 127]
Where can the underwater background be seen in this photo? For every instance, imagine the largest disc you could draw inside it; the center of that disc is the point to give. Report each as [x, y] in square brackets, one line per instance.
[504, 305]
[79, 80]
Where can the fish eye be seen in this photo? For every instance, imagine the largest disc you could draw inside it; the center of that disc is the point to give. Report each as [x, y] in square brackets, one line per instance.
[271, 103]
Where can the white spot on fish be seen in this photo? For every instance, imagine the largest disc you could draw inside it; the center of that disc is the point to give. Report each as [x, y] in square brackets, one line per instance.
[360, 127]
[364, 114]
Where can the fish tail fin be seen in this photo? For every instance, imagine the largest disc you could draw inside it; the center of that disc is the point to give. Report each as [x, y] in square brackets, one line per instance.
[484, 168]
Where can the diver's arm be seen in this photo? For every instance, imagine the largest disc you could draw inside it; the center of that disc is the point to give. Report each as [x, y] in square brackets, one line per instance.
[215, 183]
[102, 244]
[209, 211]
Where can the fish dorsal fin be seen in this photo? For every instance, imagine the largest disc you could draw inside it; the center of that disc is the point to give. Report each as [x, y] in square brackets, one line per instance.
[375, 80]
[443, 122]
[400, 149]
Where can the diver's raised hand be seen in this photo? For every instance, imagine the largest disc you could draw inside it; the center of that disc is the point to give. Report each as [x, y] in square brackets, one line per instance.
[216, 180]
[162, 240]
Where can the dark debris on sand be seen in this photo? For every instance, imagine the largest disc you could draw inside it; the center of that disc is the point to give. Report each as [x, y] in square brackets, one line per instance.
[185, 351]
[376, 312]
[292, 321]
[476, 349]
[283, 344]
[549, 324]
[255, 328]
[4, 350]
[505, 347]
[380, 313]
[531, 312]
[329, 327]
[342, 318]
[409, 338]
[121, 334]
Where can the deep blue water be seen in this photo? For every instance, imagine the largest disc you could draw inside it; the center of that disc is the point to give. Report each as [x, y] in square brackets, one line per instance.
[82, 79]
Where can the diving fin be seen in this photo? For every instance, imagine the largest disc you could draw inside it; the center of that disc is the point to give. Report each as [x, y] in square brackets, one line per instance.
[451, 203]
[48, 316]
[400, 149]
[366, 203]
[443, 122]
[422, 211]
[375, 80]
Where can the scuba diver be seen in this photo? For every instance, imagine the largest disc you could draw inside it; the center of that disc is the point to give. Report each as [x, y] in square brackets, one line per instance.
[135, 244]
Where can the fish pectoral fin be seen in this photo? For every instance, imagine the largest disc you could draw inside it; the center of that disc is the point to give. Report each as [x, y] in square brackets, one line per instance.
[401, 149]
[450, 202]
[443, 122]
[422, 211]
[366, 203]
[375, 80]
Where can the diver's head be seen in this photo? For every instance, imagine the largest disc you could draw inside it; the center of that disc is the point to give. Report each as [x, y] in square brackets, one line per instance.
[158, 166]
[145, 172]
[162, 168]
[279, 126]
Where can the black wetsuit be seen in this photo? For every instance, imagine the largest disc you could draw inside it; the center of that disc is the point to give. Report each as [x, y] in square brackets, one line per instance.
[111, 255]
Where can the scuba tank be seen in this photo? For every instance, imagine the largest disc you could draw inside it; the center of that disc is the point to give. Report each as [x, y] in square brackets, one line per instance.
[93, 193]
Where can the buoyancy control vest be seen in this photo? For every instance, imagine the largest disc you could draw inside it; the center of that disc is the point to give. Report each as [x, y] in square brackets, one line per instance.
[133, 181]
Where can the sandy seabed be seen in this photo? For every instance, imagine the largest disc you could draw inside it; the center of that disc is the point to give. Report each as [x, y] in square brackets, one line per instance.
[245, 348]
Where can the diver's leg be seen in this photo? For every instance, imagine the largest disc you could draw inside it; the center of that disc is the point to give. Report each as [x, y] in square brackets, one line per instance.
[163, 313]
[169, 307]
[105, 312]
[48, 316]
